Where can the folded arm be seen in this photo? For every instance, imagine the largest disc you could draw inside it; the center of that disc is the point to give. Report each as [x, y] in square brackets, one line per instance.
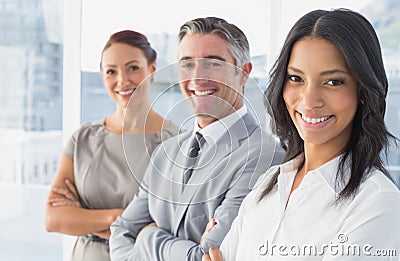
[126, 228]
[65, 215]
[155, 243]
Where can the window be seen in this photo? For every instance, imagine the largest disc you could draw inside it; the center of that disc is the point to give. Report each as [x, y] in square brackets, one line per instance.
[30, 135]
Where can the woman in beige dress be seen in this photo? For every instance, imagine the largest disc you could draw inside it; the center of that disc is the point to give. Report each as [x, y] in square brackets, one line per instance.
[103, 162]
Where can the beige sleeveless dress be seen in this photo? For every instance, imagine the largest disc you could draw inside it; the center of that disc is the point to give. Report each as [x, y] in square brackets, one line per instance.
[108, 170]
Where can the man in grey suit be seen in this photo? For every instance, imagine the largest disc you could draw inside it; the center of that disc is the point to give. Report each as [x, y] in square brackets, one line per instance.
[204, 174]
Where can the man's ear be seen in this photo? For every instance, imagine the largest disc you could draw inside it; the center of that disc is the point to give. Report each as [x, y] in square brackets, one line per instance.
[246, 70]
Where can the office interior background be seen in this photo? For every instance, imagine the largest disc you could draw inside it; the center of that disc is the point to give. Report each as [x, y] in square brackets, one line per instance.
[50, 84]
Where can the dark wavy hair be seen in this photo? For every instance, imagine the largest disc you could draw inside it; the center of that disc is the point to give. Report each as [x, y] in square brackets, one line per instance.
[356, 39]
[134, 39]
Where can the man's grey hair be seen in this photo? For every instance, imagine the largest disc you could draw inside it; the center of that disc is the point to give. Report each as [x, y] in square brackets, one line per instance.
[238, 44]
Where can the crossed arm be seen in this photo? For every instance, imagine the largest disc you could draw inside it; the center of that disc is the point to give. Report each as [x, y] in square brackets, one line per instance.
[64, 211]
[133, 237]
[139, 236]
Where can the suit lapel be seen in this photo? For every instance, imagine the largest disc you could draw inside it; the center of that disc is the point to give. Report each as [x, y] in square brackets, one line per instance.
[209, 159]
[178, 168]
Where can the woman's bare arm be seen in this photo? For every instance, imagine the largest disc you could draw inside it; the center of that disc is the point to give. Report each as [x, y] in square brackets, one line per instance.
[70, 218]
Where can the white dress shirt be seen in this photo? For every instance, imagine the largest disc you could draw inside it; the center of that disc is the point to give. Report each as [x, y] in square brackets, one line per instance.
[311, 226]
[214, 131]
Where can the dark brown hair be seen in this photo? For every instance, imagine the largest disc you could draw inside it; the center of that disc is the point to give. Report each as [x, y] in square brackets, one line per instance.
[356, 39]
[134, 39]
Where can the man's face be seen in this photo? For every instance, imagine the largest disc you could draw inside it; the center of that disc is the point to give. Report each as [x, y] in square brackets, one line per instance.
[209, 78]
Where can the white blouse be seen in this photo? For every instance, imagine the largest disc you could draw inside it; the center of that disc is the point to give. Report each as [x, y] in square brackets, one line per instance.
[312, 226]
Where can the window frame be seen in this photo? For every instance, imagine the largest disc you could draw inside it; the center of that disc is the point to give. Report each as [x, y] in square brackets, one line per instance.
[71, 105]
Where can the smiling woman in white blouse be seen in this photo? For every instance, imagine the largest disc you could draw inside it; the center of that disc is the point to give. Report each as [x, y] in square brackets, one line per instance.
[332, 198]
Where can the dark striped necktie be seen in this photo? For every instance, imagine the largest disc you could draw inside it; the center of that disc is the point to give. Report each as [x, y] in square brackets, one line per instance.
[194, 149]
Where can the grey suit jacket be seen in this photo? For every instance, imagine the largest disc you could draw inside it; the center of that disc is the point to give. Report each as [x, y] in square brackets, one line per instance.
[226, 173]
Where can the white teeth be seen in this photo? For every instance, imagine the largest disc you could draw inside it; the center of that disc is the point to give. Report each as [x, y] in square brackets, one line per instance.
[314, 120]
[126, 92]
[202, 93]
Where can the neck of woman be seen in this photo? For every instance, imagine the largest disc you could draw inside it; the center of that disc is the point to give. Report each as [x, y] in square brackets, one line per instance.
[135, 120]
[317, 155]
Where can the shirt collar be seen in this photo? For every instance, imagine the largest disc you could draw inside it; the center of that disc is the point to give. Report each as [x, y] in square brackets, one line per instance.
[216, 129]
[327, 171]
